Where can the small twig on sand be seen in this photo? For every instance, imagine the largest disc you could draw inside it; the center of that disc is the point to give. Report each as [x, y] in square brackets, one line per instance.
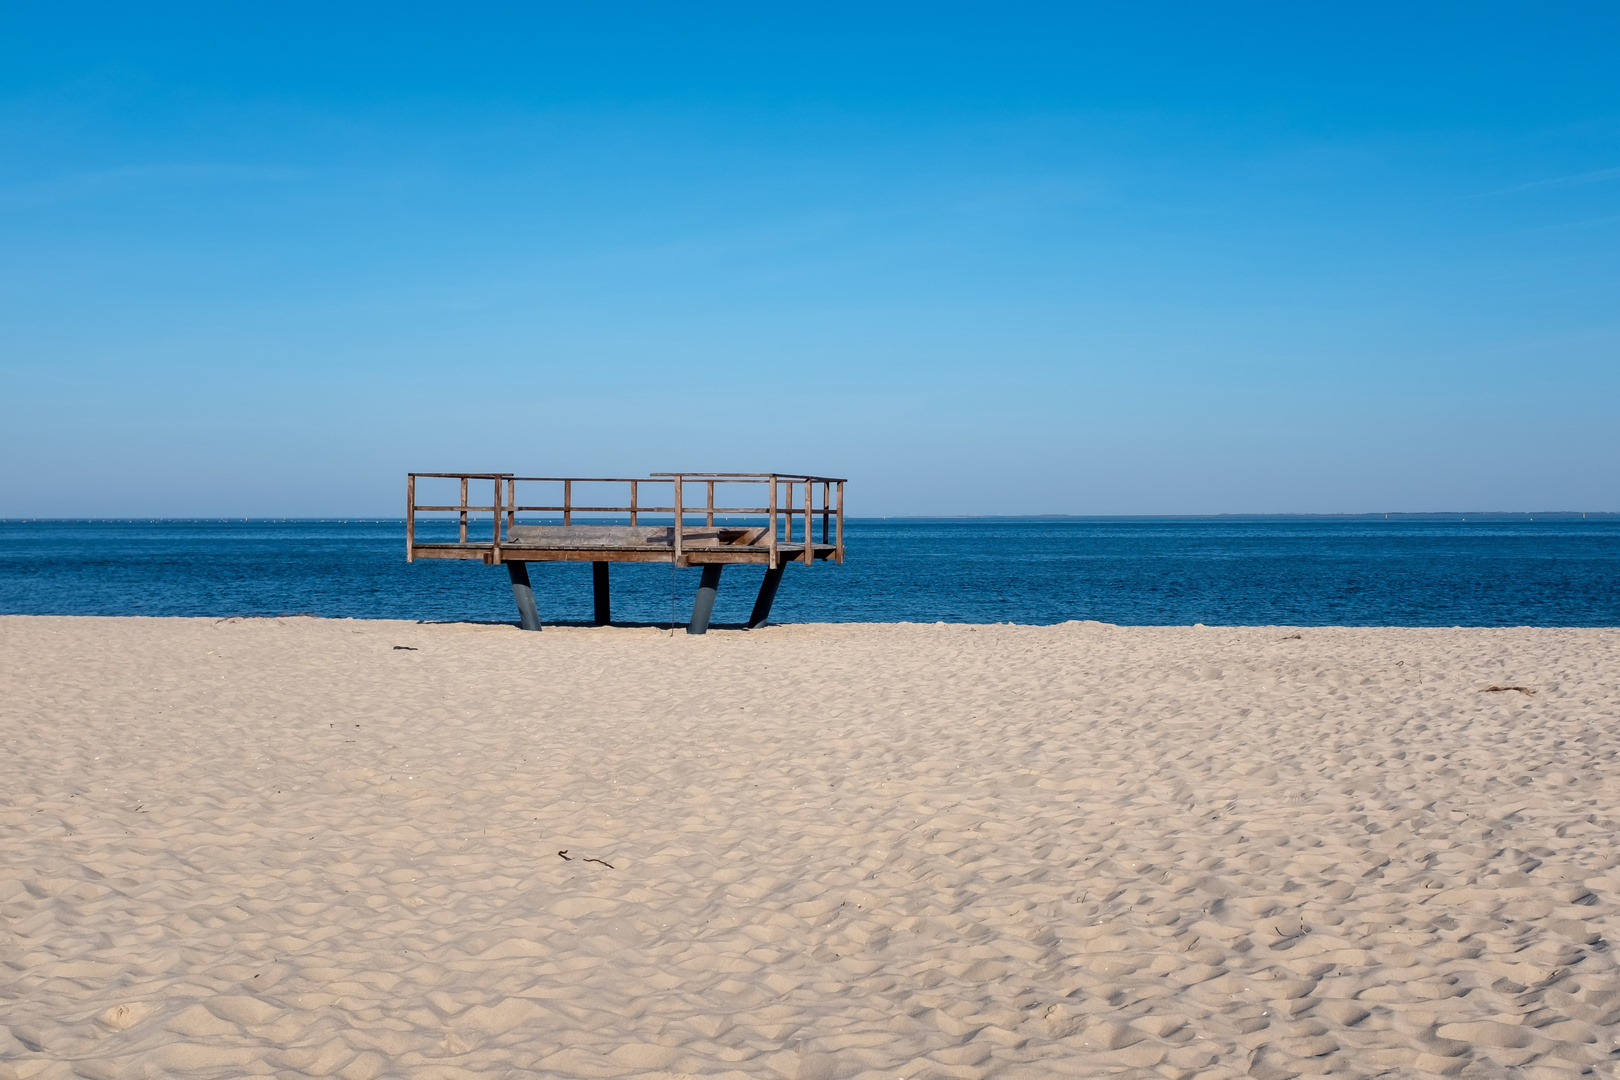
[1501, 689]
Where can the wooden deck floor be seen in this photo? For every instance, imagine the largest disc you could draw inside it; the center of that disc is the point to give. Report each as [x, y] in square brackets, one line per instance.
[654, 553]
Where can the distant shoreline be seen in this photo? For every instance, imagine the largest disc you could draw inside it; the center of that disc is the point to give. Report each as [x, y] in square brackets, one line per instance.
[1416, 515]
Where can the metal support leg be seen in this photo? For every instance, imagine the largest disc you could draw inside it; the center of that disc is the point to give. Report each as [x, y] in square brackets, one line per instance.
[599, 581]
[703, 607]
[528, 614]
[767, 595]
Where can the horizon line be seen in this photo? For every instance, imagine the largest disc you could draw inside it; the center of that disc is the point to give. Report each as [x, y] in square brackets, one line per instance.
[1369, 515]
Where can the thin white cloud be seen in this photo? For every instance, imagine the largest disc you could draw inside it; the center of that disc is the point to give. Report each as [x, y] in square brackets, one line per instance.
[79, 185]
[1561, 181]
[1610, 220]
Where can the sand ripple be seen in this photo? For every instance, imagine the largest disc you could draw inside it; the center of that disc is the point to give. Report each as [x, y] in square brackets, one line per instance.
[284, 846]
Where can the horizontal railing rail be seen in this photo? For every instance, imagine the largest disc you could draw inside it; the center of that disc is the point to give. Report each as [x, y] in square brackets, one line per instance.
[755, 476]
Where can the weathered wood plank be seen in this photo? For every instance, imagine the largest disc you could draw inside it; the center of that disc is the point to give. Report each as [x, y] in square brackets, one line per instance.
[628, 536]
[691, 557]
[410, 516]
[464, 509]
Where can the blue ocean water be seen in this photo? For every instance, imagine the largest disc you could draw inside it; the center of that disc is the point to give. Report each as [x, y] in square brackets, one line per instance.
[1500, 570]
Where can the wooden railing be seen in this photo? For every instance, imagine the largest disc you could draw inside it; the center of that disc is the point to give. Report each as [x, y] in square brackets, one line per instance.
[782, 505]
[462, 509]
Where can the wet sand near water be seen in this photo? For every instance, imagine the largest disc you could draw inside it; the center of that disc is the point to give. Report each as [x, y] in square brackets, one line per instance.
[359, 849]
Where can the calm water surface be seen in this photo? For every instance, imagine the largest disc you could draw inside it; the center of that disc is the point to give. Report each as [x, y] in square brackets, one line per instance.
[1483, 571]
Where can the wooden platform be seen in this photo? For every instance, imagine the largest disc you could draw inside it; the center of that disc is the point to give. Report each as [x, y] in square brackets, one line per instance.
[781, 531]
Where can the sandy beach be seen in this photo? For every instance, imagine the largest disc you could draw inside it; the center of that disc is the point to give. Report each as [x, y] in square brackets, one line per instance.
[363, 849]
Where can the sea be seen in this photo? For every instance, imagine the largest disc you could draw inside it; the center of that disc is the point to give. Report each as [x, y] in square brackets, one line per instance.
[1401, 570]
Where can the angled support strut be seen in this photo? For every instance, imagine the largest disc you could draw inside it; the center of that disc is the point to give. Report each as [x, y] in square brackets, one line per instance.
[767, 596]
[703, 606]
[528, 614]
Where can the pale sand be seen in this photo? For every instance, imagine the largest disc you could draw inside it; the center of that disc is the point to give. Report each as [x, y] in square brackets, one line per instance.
[244, 847]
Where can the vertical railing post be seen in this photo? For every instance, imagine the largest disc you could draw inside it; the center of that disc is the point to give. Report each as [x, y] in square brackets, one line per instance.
[787, 516]
[410, 517]
[568, 502]
[709, 521]
[809, 537]
[633, 485]
[511, 503]
[463, 514]
[773, 563]
[840, 540]
[826, 505]
[678, 516]
[495, 516]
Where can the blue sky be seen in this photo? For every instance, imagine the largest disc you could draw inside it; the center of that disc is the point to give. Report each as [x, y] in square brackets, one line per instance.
[264, 259]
